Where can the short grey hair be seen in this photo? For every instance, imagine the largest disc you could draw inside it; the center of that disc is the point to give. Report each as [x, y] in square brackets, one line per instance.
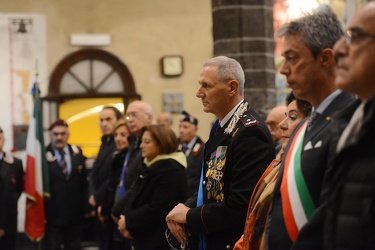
[228, 69]
[319, 31]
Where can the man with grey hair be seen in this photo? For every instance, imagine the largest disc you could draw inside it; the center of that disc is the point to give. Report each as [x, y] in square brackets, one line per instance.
[238, 151]
[309, 67]
[165, 118]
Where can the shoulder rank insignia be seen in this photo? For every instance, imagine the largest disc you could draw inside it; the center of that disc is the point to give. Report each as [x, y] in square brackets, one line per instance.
[248, 120]
[75, 149]
[197, 148]
[50, 157]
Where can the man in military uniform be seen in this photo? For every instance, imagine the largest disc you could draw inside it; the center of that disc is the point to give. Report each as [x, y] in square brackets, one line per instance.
[192, 146]
[11, 185]
[238, 151]
[68, 187]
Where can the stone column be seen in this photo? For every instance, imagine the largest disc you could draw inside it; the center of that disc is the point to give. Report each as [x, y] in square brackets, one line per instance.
[243, 30]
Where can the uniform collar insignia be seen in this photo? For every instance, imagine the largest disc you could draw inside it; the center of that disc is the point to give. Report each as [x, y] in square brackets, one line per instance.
[236, 116]
[75, 149]
[50, 157]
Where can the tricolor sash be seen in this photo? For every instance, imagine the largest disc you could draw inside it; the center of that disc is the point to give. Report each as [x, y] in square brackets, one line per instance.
[296, 200]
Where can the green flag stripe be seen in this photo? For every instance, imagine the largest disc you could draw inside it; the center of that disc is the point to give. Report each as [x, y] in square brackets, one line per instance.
[38, 114]
[306, 200]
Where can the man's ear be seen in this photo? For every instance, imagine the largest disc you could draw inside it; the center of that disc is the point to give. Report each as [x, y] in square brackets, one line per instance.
[327, 57]
[233, 87]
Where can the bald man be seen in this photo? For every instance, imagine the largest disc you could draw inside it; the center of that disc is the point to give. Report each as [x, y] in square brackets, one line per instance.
[275, 116]
[165, 118]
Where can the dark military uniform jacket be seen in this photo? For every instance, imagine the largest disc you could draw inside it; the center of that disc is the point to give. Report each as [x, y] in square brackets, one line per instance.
[68, 195]
[234, 159]
[194, 166]
[11, 174]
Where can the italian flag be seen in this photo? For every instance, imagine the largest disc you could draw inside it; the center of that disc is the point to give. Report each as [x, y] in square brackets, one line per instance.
[36, 185]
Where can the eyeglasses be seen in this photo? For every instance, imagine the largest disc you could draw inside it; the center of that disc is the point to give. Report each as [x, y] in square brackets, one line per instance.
[355, 34]
[174, 243]
[134, 115]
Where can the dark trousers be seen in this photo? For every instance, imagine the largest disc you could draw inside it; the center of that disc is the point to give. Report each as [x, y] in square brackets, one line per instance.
[104, 234]
[8, 241]
[68, 236]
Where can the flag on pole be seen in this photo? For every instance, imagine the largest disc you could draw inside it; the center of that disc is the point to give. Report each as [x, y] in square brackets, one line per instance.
[36, 185]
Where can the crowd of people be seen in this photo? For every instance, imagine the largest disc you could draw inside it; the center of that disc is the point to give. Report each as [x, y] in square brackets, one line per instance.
[301, 179]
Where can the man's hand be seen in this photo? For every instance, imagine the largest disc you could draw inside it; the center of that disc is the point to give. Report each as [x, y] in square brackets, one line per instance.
[115, 219]
[89, 163]
[2, 233]
[122, 228]
[175, 220]
[178, 214]
[102, 219]
[177, 230]
[92, 201]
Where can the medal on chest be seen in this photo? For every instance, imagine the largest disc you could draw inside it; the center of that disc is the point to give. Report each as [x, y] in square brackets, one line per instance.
[215, 173]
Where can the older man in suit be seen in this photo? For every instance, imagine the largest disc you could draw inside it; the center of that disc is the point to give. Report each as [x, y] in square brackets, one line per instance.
[68, 187]
[238, 151]
[349, 221]
[11, 185]
[309, 67]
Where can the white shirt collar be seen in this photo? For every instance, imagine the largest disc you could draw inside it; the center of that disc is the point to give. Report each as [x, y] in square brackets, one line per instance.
[324, 104]
[230, 114]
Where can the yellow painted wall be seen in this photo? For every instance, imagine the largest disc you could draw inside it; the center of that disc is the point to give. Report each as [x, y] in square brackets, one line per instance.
[82, 116]
[142, 32]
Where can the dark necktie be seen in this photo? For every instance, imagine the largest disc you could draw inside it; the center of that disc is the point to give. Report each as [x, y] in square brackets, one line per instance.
[312, 119]
[63, 164]
[184, 148]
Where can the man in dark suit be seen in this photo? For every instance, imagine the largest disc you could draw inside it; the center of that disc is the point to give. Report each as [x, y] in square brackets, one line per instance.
[68, 187]
[349, 221]
[192, 146]
[238, 151]
[309, 67]
[99, 175]
[11, 183]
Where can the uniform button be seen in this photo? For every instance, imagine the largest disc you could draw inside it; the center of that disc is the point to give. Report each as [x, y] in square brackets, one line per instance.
[204, 182]
[228, 246]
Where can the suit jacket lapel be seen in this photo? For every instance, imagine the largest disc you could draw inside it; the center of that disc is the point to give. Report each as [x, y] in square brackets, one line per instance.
[325, 118]
[54, 165]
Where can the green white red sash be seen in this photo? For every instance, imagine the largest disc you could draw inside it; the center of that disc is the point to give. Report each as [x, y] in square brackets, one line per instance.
[296, 200]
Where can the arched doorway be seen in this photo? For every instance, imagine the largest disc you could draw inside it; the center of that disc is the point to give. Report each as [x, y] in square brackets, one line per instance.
[79, 86]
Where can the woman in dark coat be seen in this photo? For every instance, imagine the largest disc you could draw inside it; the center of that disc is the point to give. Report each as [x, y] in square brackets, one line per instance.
[116, 184]
[160, 186]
